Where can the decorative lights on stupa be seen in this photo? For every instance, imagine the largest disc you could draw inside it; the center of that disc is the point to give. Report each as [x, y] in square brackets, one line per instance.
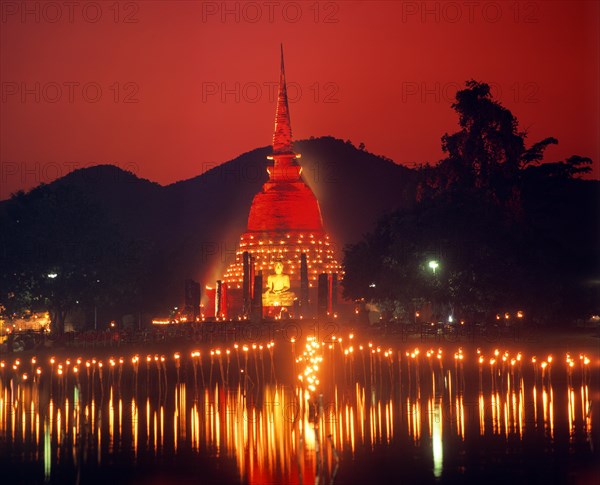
[285, 219]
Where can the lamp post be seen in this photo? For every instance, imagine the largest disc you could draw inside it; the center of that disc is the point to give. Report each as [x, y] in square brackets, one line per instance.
[433, 265]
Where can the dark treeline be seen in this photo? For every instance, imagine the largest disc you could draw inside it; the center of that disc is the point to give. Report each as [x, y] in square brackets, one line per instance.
[507, 231]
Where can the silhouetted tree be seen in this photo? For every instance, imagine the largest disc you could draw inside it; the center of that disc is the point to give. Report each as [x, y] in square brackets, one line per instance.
[58, 250]
[489, 152]
[481, 213]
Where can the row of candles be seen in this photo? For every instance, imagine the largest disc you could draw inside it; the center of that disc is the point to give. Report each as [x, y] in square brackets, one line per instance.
[75, 366]
[506, 368]
[500, 363]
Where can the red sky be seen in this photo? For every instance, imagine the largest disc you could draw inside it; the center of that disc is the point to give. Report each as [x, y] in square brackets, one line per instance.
[382, 73]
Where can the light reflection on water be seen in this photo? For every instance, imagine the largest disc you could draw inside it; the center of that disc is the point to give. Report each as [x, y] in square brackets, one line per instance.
[277, 430]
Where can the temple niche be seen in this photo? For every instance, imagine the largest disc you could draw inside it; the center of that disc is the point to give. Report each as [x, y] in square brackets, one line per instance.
[284, 264]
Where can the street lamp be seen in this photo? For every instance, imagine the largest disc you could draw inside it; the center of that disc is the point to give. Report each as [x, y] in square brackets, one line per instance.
[433, 265]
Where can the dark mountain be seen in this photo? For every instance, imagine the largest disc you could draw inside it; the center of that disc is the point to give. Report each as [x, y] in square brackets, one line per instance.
[135, 204]
[191, 228]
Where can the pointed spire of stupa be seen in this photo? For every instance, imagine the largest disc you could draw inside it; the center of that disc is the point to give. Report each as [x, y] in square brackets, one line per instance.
[282, 137]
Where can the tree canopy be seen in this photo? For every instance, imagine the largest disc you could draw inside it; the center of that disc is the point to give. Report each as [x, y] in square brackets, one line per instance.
[482, 214]
[58, 250]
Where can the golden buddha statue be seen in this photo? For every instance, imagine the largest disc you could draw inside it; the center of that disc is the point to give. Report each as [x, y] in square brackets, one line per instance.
[278, 289]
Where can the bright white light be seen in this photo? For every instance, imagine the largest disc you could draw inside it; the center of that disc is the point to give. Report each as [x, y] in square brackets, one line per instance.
[434, 265]
[450, 319]
[372, 285]
[52, 275]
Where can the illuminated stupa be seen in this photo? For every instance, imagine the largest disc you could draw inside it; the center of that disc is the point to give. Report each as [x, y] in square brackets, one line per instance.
[285, 241]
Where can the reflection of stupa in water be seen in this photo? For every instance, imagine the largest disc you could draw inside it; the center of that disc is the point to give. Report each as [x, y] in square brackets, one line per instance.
[284, 255]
